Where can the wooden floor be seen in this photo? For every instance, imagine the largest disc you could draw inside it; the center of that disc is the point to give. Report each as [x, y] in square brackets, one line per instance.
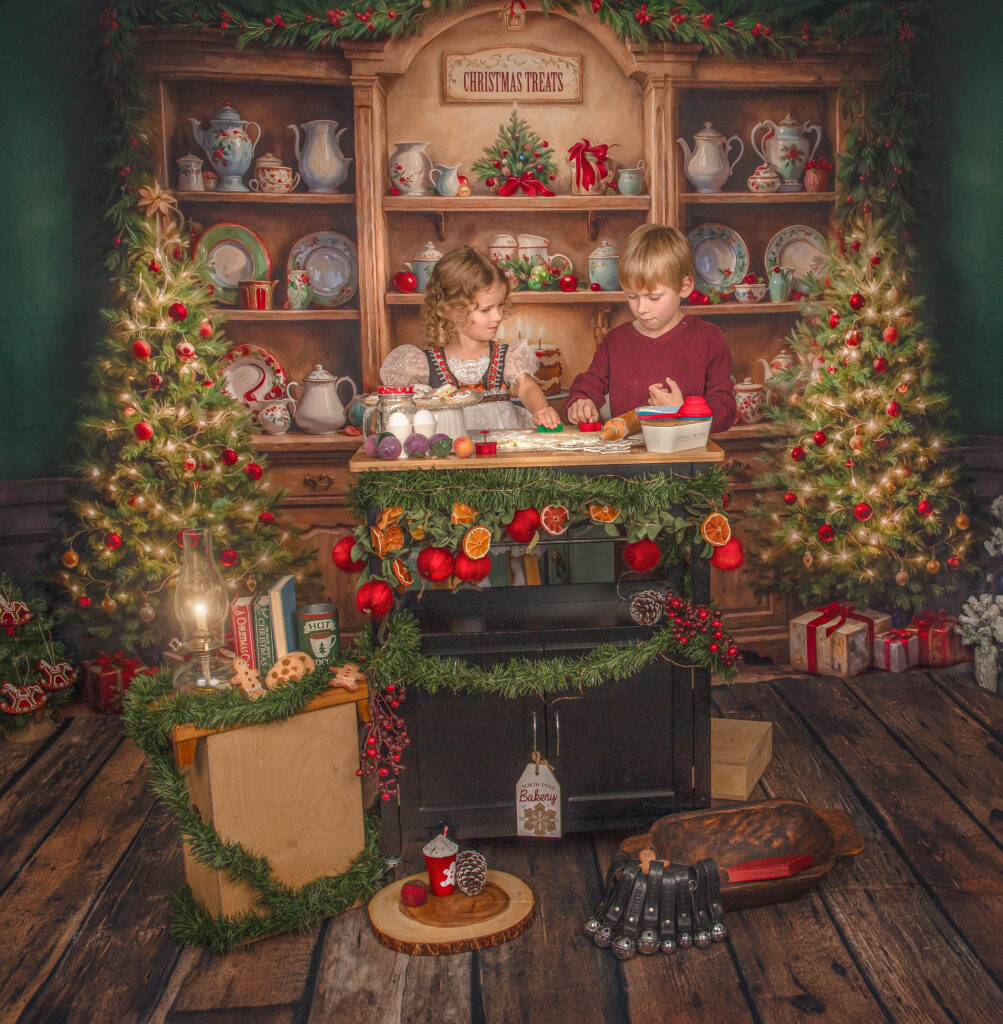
[910, 931]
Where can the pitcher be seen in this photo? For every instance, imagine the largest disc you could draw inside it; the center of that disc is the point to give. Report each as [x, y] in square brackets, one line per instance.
[446, 179]
[228, 145]
[410, 168]
[323, 167]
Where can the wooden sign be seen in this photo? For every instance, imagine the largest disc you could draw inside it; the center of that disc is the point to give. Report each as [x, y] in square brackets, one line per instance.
[538, 802]
[504, 74]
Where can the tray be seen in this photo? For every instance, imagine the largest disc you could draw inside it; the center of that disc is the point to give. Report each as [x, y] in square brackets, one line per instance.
[772, 828]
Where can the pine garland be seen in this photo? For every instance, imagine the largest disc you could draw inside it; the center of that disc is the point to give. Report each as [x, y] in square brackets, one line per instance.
[149, 715]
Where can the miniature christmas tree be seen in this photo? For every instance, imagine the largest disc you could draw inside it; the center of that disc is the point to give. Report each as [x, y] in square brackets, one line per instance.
[163, 447]
[871, 505]
[34, 677]
[517, 159]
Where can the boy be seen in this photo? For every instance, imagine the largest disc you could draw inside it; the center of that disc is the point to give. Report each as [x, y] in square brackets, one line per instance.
[662, 355]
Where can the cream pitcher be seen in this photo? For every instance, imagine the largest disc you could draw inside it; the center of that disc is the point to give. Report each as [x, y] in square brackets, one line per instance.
[320, 410]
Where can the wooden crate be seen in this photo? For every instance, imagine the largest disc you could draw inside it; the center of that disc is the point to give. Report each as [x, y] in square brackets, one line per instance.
[739, 753]
[287, 790]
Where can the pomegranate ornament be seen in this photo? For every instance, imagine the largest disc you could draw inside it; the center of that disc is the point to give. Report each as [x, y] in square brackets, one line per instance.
[435, 564]
[524, 525]
[643, 555]
[341, 555]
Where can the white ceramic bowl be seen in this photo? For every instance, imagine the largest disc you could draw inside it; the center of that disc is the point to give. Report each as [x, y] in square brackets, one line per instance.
[749, 292]
[675, 435]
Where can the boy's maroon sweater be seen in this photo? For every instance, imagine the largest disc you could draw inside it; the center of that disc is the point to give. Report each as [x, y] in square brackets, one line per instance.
[693, 353]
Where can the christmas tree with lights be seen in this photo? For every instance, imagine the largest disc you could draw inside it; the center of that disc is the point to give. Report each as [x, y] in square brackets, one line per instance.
[871, 510]
[518, 160]
[162, 447]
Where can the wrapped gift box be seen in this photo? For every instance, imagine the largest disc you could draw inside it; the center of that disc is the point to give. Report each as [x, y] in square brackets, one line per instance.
[939, 645]
[106, 679]
[835, 639]
[896, 650]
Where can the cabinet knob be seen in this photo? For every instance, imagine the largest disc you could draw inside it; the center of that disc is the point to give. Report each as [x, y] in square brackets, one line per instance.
[318, 483]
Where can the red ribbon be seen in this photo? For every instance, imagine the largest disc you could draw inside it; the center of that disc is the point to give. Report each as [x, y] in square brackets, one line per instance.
[839, 613]
[588, 159]
[530, 185]
[512, 6]
[934, 629]
[119, 662]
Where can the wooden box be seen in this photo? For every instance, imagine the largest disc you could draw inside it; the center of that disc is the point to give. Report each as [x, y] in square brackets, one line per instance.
[739, 754]
[287, 790]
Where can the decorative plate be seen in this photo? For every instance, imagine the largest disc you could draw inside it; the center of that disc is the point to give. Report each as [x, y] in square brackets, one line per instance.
[332, 264]
[235, 254]
[720, 257]
[800, 248]
[253, 375]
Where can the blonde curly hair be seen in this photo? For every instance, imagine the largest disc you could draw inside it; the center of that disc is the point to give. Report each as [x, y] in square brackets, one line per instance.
[451, 292]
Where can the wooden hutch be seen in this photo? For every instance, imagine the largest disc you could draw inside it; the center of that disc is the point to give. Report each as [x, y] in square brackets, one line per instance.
[637, 100]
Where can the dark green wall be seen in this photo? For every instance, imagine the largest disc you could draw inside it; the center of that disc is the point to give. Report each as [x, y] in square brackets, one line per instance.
[52, 284]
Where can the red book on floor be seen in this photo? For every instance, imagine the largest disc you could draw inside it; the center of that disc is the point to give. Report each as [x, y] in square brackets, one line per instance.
[769, 867]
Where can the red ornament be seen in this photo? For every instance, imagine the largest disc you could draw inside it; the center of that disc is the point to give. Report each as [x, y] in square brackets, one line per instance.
[205, 329]
[84, 602]
[154, 267]
[178, 311]
[826, 533]
[595, 286]
[855, 246]
[253, 470]
[954, 562]
[893, 409]
[820, 437]
[924, 508]
[730, 555]
[266, 517]
[797, 453]
[863, 511]
[374, 598]
[435, 563]
[188, 464]
[833, 319]
[112, 541]
[405, 281]
[568, 283]
[229, 456]
[143, 430]
[228, 557]
[155, 382]
[875, 260]
[141, 348]
[890, 334]
[856, 301]
[643, 555]
[341, 555]
[490, 182]
[177, 252]
[880, 364]
[472, 570]
[790, 497]
[524, 524]
[184, 350]
[704, 299]
[853, 337]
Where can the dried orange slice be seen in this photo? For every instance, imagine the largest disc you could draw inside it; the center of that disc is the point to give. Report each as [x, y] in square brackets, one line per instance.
[463, 513]
[390, 515]
[603, 513]
[416, 530]
[394, 537]
[554, 519]
[379, 539]
[716, 529]
[402, 572]
[476, 542]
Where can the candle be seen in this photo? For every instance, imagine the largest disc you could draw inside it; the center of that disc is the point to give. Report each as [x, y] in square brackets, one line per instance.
[539, 336]
[201, 622]
[518, 328]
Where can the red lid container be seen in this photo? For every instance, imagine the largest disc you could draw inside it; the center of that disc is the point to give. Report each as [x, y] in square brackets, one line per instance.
[694, 407]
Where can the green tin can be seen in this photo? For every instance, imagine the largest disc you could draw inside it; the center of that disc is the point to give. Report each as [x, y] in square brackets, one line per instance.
[317, 631]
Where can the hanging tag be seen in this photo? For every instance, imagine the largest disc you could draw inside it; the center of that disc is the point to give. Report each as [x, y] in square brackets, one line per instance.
[538, 801]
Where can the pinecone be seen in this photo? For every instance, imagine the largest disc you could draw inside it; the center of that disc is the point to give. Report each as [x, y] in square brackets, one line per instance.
[646, 607]
[471, 872]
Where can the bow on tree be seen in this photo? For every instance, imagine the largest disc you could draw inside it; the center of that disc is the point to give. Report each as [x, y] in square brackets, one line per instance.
[590, 163]
[527, 182]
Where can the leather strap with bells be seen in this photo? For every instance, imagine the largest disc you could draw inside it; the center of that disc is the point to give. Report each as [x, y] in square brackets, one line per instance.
[667, 912]
[684, 906]
[625, 945]
[718, 929]
[617, 863]
[616, 907]
[701, 906]
[648, 940]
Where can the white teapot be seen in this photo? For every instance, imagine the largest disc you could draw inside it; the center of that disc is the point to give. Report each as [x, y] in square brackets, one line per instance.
[320, 410]
[707, 166]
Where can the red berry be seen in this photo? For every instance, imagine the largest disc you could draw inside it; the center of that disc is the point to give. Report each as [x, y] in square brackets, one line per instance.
[84, 602]
[154, 267]
[266, 517]
[749, 279]
[595, 286]
[954, 562]
[875, 260]
[712, 647]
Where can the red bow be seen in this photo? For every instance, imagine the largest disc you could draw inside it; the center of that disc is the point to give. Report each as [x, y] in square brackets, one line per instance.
[832, 616]
[117, 660]
[588, 159]
[512, 6]
[530, 185]
[897, 636]
[926, 621]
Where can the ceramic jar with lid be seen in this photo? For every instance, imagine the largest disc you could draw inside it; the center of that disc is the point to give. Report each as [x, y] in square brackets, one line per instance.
[763, 179]
[749, 399]
[397, 412]
[604, 262]
[423, 264]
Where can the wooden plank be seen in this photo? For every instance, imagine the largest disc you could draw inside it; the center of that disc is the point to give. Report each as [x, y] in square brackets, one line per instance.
[958, 684]
[15, 757]
[122, 958]
[45, 904]
[893, 930]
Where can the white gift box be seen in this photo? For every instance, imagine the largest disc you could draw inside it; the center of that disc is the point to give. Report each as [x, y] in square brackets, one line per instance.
[835, 639]
[896, 650]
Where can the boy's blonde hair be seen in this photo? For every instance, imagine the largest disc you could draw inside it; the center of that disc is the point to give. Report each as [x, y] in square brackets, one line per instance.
[655, 254]
[452, 290]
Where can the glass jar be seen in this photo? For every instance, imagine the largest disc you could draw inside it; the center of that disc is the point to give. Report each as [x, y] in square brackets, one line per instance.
[397, 412]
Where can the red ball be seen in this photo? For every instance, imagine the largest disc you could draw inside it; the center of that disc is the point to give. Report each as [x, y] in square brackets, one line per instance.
[374, 598]
[178, 311]
[875, 260]
[595, 286]
[112, 541]
[890, 335]
[954, 562]
[405, 281]
[834, 320]
[205, 329]
[853, 338]
[184, 350]
[253, 470]
[893, 409]
[154, 267]
[229, 457]
[863, 511]
[435, 563]
[155, 382]
[266, 517]
[826, 533]
[228, 557]
[141, 348]
[84, 602]
[472, 570]
[924, 508]
[643, 555]
[880, 364]
[730, 555]
[568, 283]
[797, 453]
[341, 555]
[790, 497]
[820, 437]
[704, 299]
[143, 430]
[524, 524]
[856, 301]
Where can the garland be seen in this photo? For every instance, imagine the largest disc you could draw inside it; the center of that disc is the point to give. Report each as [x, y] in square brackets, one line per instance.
[149, 718]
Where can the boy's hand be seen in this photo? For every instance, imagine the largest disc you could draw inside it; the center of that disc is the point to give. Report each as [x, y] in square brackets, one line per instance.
[582, 410]
[546, 417]
[665, 394]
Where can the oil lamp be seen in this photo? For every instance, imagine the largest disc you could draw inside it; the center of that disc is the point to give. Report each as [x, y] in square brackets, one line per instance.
[201, 607]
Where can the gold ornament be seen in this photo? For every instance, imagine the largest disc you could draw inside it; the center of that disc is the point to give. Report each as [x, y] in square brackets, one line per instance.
[109, 604]
[856, 442]
[933, 567]
[794, 400]
[463, 190]
[70, 559]
[961, 521]
[892, 295]
[147, 614]
[808, 560]
[902, 577]
[251, 583]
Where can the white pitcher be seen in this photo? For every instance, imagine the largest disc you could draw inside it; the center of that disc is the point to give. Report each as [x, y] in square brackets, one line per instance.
[320, 410]
[411, 168]
[322, 165]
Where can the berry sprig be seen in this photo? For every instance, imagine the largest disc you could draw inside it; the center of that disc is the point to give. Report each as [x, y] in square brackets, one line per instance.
[386, 738]
[689, 621]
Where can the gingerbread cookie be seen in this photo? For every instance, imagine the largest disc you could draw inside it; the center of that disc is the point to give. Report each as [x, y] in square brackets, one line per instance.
[347, 675]
[246, 678]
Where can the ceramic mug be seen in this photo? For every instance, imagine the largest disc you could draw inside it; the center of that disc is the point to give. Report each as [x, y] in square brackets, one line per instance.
[256, 294]
[630, 180]
[299, 291]
[503, 247]
[273, 180]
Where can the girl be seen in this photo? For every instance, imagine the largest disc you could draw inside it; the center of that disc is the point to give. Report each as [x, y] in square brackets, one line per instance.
[464, 304]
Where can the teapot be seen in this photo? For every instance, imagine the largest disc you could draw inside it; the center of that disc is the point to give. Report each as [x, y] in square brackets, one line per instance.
[783, 360]
[423, 264]
[319, 410]
[228, 146]
[535, 249]
[785, 149]
[749, 400]
[707, 167]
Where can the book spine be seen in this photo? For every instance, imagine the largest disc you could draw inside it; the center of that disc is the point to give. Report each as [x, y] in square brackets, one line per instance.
[242, 624]
[263, 641]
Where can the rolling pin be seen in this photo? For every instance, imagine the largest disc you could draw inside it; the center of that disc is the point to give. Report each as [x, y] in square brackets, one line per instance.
[621, 426]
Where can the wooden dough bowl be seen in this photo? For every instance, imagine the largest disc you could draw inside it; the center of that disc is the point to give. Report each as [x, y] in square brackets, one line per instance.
[503, 910]
[773, 828]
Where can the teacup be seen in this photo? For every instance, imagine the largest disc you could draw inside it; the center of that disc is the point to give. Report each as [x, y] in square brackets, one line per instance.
[299, 291]
[630, 180]
[273, 180]
[256, 294]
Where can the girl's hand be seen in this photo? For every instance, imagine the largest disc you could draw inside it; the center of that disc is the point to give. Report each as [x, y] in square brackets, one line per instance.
[667, 394]
[582, 410]
[546, 417]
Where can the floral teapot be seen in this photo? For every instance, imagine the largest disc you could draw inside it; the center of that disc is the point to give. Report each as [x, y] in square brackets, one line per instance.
[228, 146]
[785, 148]
[783, 360]
[707, 166]
[749, 400]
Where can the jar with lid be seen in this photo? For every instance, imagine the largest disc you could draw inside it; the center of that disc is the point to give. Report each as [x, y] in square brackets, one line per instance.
[396, 412]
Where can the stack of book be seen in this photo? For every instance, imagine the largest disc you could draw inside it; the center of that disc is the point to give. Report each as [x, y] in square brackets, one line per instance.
[264, 625]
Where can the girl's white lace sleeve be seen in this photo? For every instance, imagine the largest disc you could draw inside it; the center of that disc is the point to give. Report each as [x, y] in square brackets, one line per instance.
[405, 364]
[519, 359]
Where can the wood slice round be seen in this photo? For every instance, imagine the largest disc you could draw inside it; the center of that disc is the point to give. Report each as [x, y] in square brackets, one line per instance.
[503, 910]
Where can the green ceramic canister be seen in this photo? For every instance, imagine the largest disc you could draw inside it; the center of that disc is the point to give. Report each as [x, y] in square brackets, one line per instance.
[317, 632]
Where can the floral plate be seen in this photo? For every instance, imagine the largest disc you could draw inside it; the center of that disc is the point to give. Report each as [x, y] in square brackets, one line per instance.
[331, 262]
[253, 375]
[720, 257]
[235, 254]
[799, 247]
